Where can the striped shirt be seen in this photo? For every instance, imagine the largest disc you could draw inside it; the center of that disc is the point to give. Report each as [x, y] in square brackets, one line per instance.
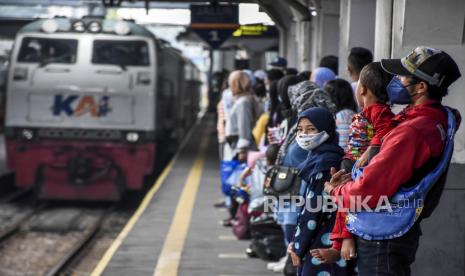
[343, 121]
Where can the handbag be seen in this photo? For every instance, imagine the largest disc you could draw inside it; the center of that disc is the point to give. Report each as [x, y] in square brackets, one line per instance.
[241, 223]
[269, 248]
[282, 180]
[263, 226]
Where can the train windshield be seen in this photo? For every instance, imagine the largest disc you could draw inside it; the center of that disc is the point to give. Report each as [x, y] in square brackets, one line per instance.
[122, 53]
[48, 50]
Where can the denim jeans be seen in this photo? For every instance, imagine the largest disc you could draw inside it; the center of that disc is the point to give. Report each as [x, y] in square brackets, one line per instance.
[388, 257]
[289, 231]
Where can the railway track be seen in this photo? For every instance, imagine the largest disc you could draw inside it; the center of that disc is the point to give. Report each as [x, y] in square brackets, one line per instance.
[15, 196]
[14, 227]
[26, 246]
[73, 255]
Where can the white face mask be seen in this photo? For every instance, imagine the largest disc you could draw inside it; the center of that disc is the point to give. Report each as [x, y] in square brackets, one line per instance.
[311, 141]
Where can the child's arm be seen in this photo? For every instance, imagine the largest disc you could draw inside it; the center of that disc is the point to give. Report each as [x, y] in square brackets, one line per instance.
[348, 250]
[245, 173]
[339, 231]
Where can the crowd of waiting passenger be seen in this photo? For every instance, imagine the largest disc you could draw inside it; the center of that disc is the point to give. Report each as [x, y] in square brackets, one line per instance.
[299, 137]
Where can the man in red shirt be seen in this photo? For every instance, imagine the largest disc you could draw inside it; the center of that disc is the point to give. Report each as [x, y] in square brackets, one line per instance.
[408, 153]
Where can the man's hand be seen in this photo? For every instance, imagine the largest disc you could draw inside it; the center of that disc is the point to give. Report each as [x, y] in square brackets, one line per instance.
[337, 179]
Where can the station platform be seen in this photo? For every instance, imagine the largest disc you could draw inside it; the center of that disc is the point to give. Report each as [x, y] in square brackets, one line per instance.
[176, 229]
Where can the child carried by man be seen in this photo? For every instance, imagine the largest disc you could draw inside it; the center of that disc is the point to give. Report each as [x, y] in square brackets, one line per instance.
[368, 129]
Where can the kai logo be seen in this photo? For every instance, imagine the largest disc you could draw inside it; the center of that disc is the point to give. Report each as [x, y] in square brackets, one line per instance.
[75, 105]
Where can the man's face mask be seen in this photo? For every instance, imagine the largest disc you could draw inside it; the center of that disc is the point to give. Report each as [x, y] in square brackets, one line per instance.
[398, 93]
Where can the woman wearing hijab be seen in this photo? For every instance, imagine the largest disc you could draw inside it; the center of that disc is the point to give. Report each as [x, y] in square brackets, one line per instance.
[242, 118]
[321, 76]
[300, 97]
[244, 114]
[316, 134]
[288, 115]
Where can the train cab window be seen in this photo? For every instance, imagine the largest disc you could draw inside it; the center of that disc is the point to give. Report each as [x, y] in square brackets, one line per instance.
[122, 53]
[48, 50]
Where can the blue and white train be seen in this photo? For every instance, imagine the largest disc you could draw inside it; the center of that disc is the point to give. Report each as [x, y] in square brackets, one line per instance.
[88, 103]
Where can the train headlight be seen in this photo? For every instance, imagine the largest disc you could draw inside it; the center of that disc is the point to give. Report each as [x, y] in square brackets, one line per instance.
[132, 137]
[49, 26]
[94, 27]
[27, 134]
[122, 28]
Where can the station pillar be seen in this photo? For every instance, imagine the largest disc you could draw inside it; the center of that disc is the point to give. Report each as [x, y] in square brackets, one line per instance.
[357, 29]
[324, 30]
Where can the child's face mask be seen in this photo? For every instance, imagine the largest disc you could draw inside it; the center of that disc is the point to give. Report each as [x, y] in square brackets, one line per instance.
[311, 141]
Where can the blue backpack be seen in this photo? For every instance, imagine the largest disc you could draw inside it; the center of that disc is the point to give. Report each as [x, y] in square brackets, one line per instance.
[406, 205]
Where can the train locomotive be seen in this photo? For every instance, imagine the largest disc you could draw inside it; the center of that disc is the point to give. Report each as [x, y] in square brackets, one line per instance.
[89, 104]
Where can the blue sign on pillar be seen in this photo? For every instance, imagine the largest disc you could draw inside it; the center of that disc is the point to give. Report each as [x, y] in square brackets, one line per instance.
[214, 23]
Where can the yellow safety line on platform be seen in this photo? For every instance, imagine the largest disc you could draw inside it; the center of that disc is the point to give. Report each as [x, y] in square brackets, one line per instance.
[128, 227]
[103, 263]
[170, 256]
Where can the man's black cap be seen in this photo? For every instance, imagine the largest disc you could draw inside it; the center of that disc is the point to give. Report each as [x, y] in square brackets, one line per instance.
[431, 65]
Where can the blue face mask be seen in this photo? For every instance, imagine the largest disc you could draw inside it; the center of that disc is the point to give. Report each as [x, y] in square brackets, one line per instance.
[398, 93]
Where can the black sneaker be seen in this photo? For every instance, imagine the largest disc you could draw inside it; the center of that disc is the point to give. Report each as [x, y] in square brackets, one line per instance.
[227, 222]
[250, 253]
[220, 205]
